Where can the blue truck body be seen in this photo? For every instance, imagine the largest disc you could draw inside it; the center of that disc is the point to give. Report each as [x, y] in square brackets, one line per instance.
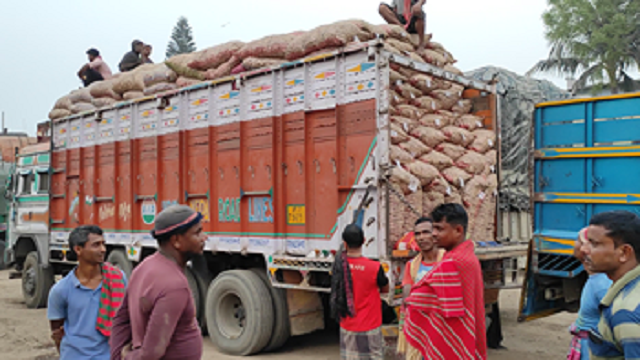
[586, 161]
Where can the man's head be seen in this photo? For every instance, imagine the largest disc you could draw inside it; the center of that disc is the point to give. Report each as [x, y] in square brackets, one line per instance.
[137, 46]
[92, 54]
[146, 50]
[449, 225]
[423, 231]
[614, 242]
[87, 243]
[353, 237]
[179, 228]
[579, 245]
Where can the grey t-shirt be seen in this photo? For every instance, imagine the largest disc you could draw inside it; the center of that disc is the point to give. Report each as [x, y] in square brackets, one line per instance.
[399, 5]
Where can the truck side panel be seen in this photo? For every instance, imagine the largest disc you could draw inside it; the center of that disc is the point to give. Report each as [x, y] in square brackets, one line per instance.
[271, 161]
[586, 162]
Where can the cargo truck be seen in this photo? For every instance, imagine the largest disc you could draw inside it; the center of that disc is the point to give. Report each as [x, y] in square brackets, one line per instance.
[585, 161]
[278, 161]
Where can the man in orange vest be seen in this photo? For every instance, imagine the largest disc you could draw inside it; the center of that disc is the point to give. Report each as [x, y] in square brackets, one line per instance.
[408, 14]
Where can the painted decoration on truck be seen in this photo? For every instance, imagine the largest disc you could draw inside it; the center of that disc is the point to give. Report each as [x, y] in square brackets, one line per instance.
[148, 210]
[106, 128]
[123, 124]
[169, 119]
[360, 79]
[198, 109]
[90, 128]
[323, 85]
[228, 104]
[146, 121]
[60, 135]
[293, 94]
[75, 132]
[259, 95]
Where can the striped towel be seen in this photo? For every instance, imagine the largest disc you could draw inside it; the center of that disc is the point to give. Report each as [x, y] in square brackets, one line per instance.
[112, 295]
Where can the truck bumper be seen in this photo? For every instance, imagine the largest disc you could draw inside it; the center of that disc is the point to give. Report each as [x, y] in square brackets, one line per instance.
[9, 257]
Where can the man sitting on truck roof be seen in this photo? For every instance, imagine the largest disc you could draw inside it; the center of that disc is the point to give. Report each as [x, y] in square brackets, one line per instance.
[157, 319]
[356, 285]
[132, 59]
[146, 54]
[95, 70]
[408, 14]
[445, 317]
[613, 248]
[82, 304]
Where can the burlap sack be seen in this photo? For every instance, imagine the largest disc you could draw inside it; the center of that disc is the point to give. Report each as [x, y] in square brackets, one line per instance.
[397, 134]
[395, 76]
[399, 156]
[59, 114]
[401, 45]
[453, 151]
[81, 107]
[222, 70]
[456, 176]
[177, 64]
[80, 95]
[410, 217]
[185, 82]
[404, 123]
[407, 91]
[132, 95]
[407, 111]
[159, 88]
[437, 159]
[253, 63]
[396, 99]
[469, 122]
[333, 35]
[430, 201]
[272, 46]
[64, 103]
[415, 147]
[472, 162]
[429, 136]
[463, 106]
[435, 121]
[425, 83]
[485, 140]
[103, 102]
[215, 56]
[427, 103]
[446, 98]
[458, 136]
[405, 180]
[159, 74]
[424, 172]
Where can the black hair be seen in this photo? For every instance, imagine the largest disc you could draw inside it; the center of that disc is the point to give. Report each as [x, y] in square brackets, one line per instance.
[423, 220]
[353, 236]
[93, 52]
[453, 214]
[80, 235]
[622, 226]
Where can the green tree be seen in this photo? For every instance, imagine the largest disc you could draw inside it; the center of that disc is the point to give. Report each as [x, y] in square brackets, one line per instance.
[599, 40]
[181, 39]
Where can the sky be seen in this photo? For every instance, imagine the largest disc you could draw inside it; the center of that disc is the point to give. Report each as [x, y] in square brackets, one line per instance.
[44, 42]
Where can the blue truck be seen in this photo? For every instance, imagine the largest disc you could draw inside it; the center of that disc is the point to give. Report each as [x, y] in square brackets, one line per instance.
[585, 162]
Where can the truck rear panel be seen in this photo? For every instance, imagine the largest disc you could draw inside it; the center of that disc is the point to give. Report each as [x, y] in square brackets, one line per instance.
[585, 163]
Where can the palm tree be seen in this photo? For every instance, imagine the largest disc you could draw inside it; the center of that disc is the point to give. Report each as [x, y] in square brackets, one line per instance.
[599, 40]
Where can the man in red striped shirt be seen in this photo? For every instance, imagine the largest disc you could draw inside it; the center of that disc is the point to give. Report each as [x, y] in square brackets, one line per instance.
[445, 311]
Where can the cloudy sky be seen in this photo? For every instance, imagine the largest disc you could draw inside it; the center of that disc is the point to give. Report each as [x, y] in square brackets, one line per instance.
[43, 42]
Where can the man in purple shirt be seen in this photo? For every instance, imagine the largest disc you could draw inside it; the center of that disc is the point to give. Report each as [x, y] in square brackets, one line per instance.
[157, 318]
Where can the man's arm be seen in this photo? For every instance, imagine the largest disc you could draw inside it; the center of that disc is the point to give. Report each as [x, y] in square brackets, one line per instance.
[162, 324]
[120, 329]
[383, 282]
[627, 332]
[56, 313]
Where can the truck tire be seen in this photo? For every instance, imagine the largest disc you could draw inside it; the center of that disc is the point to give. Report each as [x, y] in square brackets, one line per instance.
[119, 259]
[239, 313]
[281, 326]
[197, 292]
[37, 280]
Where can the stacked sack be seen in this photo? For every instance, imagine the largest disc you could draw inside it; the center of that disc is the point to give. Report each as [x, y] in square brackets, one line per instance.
[441, 152]
[236, 57]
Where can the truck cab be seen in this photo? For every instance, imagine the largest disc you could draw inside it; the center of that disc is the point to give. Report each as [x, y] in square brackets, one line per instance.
[585, 162]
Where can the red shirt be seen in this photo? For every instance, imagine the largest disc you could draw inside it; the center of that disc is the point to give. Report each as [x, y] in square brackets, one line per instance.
[367, 278]
[446, 318]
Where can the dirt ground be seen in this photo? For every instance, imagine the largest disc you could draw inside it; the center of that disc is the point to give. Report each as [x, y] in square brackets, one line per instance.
[24, 334]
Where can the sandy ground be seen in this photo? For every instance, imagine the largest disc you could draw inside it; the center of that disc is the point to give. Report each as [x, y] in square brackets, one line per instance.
[24, 334]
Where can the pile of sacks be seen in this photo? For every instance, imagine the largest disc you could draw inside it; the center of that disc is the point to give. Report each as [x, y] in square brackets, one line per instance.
[441, 153]
[236, 57]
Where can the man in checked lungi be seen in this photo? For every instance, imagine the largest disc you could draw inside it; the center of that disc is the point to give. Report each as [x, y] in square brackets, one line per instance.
[356, 286]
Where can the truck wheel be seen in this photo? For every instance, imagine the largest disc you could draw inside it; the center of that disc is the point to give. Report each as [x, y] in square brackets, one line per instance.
[239, 313]
[281, 325]
[119, 259]
[36, 282]
[197, 292]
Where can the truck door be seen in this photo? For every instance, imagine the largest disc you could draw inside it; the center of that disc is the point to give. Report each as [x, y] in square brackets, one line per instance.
[585, 162]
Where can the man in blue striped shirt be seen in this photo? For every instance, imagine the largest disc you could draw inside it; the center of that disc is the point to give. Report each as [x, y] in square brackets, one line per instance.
[613, 248]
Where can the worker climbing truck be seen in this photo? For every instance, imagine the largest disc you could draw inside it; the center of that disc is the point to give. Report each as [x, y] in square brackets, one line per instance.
[278, 161]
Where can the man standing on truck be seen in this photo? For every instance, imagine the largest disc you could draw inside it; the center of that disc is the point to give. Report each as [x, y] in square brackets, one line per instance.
[415, 270]
[408, 14]
[157, 319]
[95, 70]
[614, 249]
[82, 304]
[356, 285]
[445, 317]
[132, 59]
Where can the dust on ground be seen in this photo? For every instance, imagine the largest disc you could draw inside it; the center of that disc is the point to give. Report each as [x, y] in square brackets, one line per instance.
[24, 334]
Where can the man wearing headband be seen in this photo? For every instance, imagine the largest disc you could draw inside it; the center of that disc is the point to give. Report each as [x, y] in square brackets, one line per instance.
[592, 293]
[157, 319]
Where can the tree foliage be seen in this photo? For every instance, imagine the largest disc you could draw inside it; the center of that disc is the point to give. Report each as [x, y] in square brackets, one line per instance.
[181, 39]
[599, 40]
